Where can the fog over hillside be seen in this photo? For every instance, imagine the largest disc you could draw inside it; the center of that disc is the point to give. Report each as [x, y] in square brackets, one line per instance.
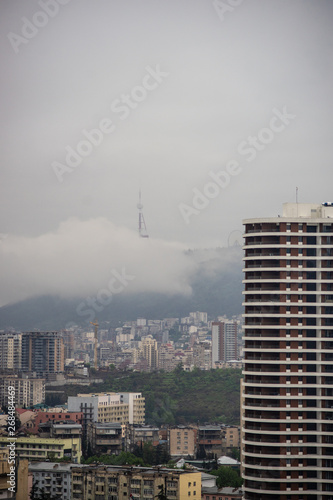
[189, 280]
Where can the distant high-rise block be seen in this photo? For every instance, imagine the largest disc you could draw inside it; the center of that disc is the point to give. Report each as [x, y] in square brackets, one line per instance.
[42, 352]
[10, 351]
[28, 391]
[150, 352]
[224, 341]
[287, 390]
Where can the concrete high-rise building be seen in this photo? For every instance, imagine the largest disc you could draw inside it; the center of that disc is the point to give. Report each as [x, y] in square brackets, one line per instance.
[122, 408]
[42, 352]
[10, 351]
[150, 352]
[287, 393]
[69, 343]
[28, 391]
[224, 341]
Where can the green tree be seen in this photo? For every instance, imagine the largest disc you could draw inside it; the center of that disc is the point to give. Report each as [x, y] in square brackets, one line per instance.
[235, 454]
[161, 495]
[40, 494]
[149, 453]
[226, 476]
[124, 458]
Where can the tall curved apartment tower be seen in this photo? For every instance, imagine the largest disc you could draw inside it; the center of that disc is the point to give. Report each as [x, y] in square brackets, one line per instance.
[287, 390]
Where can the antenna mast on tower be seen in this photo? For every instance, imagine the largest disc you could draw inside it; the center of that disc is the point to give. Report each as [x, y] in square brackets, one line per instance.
[142, 225]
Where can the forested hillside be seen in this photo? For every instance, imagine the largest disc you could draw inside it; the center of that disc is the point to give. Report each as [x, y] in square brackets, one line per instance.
[178, 397]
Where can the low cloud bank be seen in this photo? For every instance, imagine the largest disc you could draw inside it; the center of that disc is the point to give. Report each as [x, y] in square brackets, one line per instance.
[83, 258]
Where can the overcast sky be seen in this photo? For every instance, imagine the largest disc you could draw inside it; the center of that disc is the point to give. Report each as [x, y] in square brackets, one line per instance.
[231, 99]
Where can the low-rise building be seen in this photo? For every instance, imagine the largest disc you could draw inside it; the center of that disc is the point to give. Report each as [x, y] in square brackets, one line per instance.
[231, 438]
[182, 441]
[65, 430]
[209, 441]
[60, 415]
[122, 483]
[18, 481]
[52, 479]
[140, 434]
[105, 438]
[37, 448]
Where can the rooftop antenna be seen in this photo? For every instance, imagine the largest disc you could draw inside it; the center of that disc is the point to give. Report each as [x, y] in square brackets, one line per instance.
[297, 199]
[142, 225]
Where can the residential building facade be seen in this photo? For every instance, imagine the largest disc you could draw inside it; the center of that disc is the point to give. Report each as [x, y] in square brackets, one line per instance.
[43, 417]
[40, 449]
[182, 441]
[287, 410]
[105, 438]
[209, 441]
[224, 341]
[123, 483]
[150, 352]
[10, 351]
[28, 391]
[52, 479]
[43, 353]
[21, 476]
[121, 408]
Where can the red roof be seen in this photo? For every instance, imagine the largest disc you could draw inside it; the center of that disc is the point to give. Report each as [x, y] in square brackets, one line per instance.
[21, 410]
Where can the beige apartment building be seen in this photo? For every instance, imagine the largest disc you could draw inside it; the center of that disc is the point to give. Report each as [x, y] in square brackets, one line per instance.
[21, 476]
[10, 351]
[182, 441]
[37, 448]
[231, 438]
[150, 352]
[122, 408]
[125, 482]
[28, 391]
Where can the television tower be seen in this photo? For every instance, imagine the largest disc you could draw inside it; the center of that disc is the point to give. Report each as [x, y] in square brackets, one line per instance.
[142, 225]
